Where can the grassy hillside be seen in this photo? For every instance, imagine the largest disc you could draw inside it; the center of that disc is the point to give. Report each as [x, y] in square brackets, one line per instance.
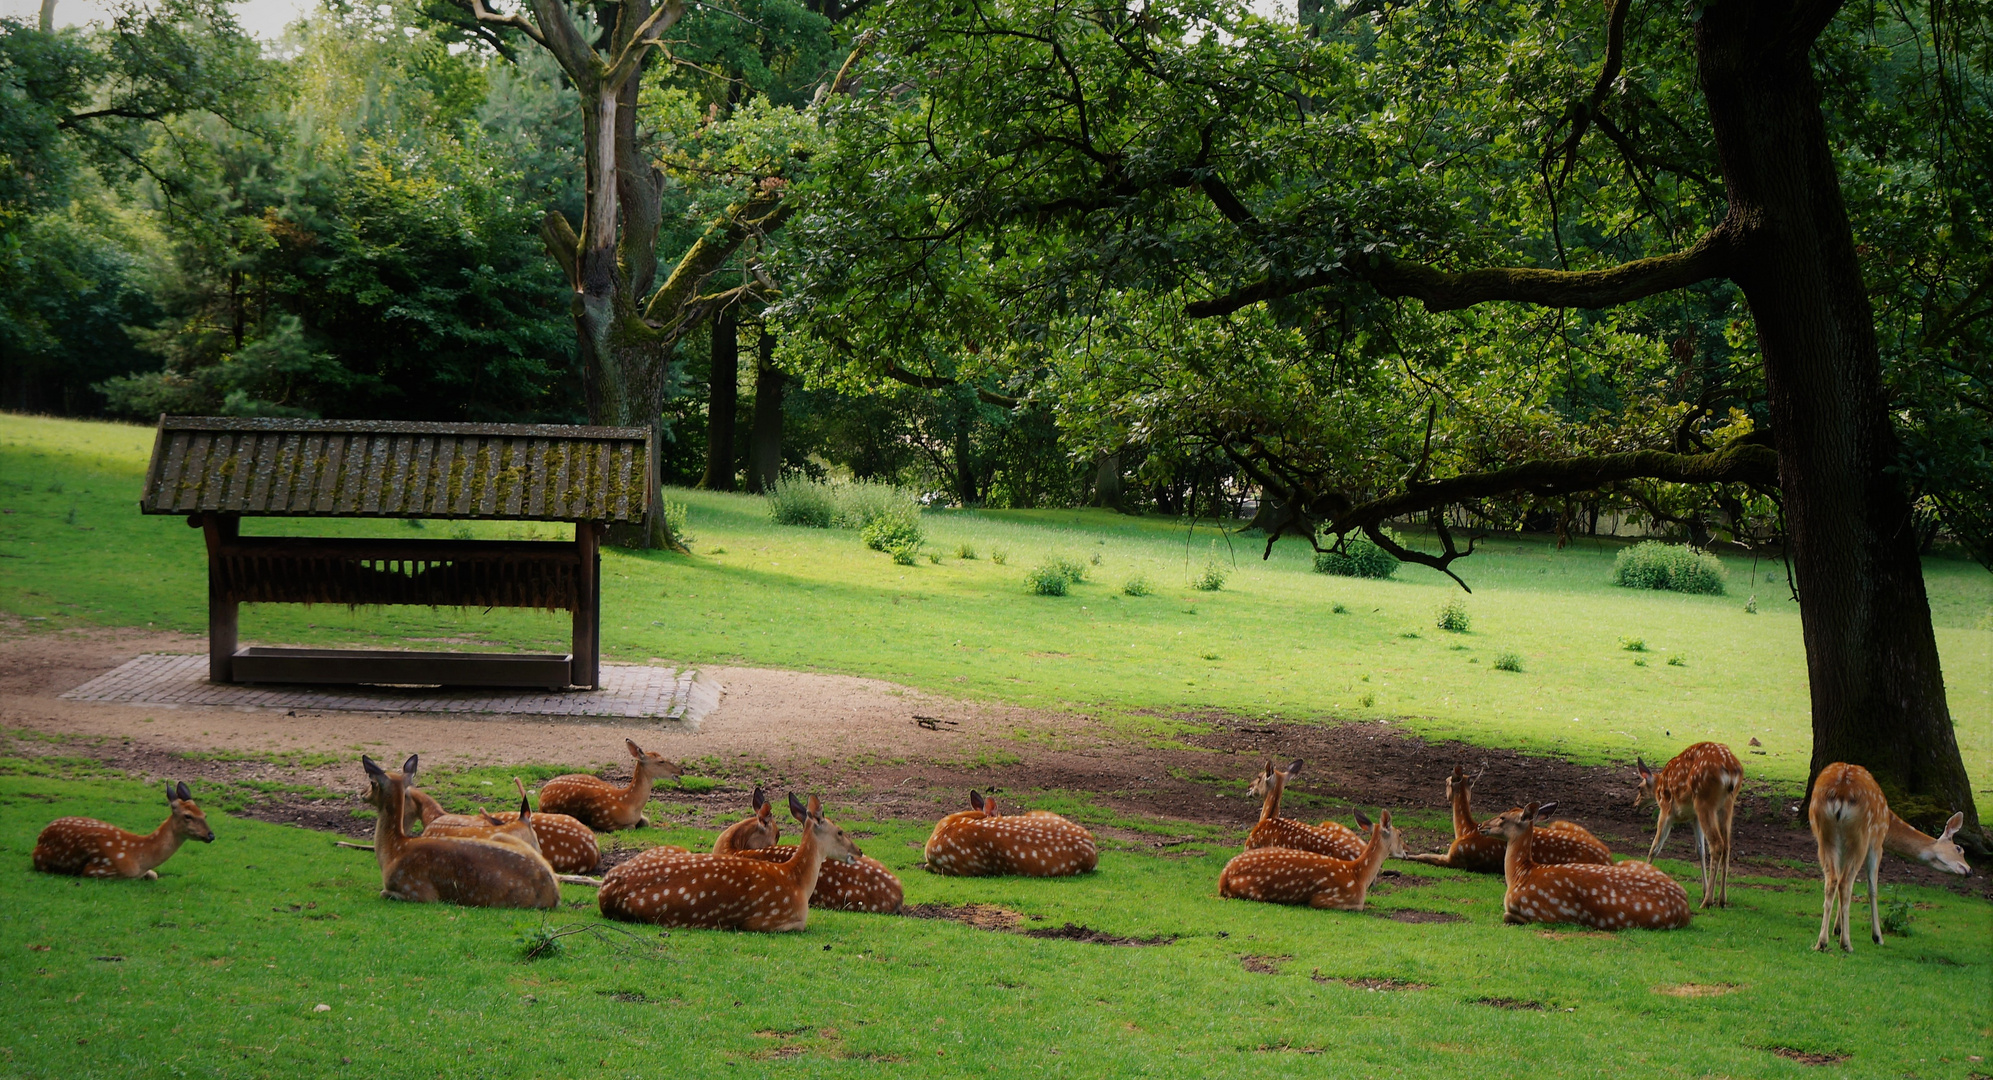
[75, 550]
[221, 969]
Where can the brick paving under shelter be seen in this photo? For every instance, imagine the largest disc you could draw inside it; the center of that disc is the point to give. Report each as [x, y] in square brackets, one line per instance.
[628, 691]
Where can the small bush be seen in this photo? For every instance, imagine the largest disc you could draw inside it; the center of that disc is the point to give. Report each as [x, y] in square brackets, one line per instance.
[999, 556]
[1639, 661]
[1508, 660]
[1210, 579]
[1751, 605]
[1137, 586]
[1369, 698]
[1074, 569]
[1896, 918]
[1340, 609]
[852, 504]
[965, 551]
[1453, 617]
[904, 554]
[1654, 565]
[1359, 558]
[1048, 579]
[1633, 644]
[890, 532]
[1096, 559]
[675, 514]
[1676, 661]
[934, 557]
[799, 500]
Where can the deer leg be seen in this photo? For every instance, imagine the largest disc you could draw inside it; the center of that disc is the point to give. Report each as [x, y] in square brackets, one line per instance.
[1661, 831]
[1702, 857]
[1874, 899]
[150, 875]
[1830, 890]
[1847, 905]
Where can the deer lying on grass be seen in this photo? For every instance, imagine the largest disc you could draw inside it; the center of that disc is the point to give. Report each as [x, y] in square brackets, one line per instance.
[980, 843]
[1286, 876]
[1330, 838]
[1628, 895]
[504, 870]
[1700, 784]
[567, 845]
[726, 891]
[1556, 843]
[601, 805]
[87, 847]
[1853, 825]
[864, 884]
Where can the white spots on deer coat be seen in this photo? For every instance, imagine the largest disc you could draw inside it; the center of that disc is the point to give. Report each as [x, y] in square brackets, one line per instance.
[1038, 844]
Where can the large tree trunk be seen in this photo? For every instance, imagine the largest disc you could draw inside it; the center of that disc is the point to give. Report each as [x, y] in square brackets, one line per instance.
[1872, 659]
[764, 449]
[1108, 491]
[722, 401]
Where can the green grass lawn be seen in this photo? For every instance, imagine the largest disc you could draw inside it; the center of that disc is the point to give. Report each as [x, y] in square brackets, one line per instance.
[218, 968]
[74, 549]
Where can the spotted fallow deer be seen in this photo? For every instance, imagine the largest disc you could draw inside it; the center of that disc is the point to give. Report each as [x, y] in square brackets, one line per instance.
[87, 847]
[1556, 843]
[1699, 785]
[1330, 838]
[979, 842]
[1628, 895]
[1853, 826]
[1287, 876]
[726, 891]
[601, 805]
[567, 845]
[494, 872]
[864, 884]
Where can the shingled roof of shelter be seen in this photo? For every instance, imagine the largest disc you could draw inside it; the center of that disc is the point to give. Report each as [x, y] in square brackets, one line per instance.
[381, 468]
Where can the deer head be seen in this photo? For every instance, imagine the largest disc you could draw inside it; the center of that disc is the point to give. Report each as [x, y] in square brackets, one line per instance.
[1392, 839]
[1513, 823]
[830, 839]
[1644, 794]
[387, 791]
[651, 765]
[987, 805]
[1942, 853]
[189, 823]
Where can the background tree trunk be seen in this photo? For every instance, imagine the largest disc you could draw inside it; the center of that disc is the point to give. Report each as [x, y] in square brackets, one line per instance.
[1108, 491]
[764, 455]
[722, 400]
[1878, 692]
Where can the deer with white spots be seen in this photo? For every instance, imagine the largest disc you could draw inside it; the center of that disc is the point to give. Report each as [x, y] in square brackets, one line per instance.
[1286, 876]
[1853, 826]
[1331, 838]
[1628, 895]
[864, 884]
[601, 805]
[979, 842]
[498, 871]
[727, 892]
[1699, 785]
[567, 845]
[1556, 843]
[86, 847]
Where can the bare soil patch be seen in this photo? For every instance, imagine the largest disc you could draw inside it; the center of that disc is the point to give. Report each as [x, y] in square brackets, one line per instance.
[1698, 990]
[1090, 936]
[1416, 915]
[1807, 1057]
[1517, 1004]
[1374, 985]
[980, 916]
[1263, 965]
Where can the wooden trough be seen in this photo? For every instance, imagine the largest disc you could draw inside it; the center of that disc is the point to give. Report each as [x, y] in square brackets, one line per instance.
[219, 470]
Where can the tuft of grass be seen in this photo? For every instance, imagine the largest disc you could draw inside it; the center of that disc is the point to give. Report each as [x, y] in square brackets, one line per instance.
[1677, 661]
[1339, 608]
[965, 550]
[1137, 586]
[999, 556]
[1452, 617]
[1210, 579]
[1508, 660]
[1633, 644]
[1048, 579]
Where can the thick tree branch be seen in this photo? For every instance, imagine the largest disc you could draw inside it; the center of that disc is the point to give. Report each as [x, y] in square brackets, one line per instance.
[562, 243]
[1583, 112]
[935, 382]
[1443, 290]
[762, 214]
[645, 36]
[517, 22]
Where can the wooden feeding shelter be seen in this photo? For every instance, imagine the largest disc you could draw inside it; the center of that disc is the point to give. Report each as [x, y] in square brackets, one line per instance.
[218, 470]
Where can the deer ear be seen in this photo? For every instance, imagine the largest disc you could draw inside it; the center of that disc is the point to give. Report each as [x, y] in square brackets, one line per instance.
[169, 793]
[797, 808]
[760, 797]
[1362, 822]
[1641, 767]
[1459, 773]
[635, 750]
[408, 767]
[816, 808]
[186, 795]
[372, 769]
[1951, 827]
[1294, 768]
[1544, 810]
[1384, 818]
[976, 799]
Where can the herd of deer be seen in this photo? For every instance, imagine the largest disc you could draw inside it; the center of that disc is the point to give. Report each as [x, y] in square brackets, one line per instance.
[1555, 871]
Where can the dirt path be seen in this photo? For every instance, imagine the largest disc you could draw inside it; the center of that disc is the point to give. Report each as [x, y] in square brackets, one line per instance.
[902, 753]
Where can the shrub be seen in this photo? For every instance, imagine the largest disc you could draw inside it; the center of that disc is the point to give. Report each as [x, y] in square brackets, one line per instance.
[904, 554]
[1359, 558]
[850, 504]
[675, 514]
[1654, 565]
[892, 531]
[1633, 644]
[1096, 559]
[1453, 617]
[999, 556]
[1074, 569]
[1508, 660]
[1340, 609]
[934, 557]
[1211, 578]
[965, 551]
[1676, 661]
[1048, 579]
[799, 500]
[1137, 586]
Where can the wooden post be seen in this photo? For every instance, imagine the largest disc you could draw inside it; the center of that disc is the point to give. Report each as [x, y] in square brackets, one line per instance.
[223, 609]
[588, 606]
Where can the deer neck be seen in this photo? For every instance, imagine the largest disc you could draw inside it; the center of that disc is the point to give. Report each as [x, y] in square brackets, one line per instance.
[159, 845]
[1906, 840]
[391, 830]
[427, 809]
[1516, 860]
[1463, 813]
[1270, 809]
[728, 841]
[806, 864]
[1371, 860]
[637, 794]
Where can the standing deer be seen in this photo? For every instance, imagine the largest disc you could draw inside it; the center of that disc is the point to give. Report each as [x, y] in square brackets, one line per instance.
[980, 843]
[87, 847]
[567, 845]
[601, 805]
[1700, 784]
[1626, 895]
[502, 871]
[864, 884]
[726, 891]
[1853, 826]
[1556, 843]
[1331, 838]
[1286, 876]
